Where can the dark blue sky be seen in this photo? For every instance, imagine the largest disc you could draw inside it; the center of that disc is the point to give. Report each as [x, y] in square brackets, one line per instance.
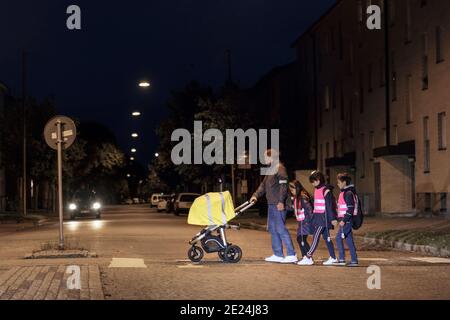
[93, 73]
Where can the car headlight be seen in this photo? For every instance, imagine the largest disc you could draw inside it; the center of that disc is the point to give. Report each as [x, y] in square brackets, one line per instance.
[72, 206]
[96, 205]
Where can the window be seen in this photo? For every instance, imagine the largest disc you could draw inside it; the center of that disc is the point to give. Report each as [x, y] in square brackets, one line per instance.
[427, 202]
[408, 22]
[439, 53]
[409, 101]
[395, 135]
[424, 61]
[442, 131]
[369, 78]
[426, 139]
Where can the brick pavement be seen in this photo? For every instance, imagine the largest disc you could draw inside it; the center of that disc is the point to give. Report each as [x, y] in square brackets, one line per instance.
[49, 282]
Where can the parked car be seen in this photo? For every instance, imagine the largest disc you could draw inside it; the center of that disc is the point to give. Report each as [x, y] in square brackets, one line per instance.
[127, 201]
[84, 204]
[162, 204]
[155, 199]
[135, 200]
[183, 202]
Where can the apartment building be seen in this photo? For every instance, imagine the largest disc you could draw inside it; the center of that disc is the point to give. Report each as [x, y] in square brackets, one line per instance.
[379, 101]
[3, 90]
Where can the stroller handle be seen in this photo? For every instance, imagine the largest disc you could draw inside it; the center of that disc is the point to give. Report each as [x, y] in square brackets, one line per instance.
[246, 205]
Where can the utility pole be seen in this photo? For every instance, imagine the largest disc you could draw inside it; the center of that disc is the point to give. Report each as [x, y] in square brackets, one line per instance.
[24, 163]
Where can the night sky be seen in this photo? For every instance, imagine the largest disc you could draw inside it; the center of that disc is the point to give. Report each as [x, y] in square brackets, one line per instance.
[93, 73]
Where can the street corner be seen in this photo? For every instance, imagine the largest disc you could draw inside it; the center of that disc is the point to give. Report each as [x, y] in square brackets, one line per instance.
[51, 282]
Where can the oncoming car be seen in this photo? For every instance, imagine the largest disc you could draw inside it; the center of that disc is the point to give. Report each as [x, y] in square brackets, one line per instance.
[84, 204]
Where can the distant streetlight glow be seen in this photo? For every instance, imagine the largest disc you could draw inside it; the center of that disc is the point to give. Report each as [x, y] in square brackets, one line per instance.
[133, 150]
[131, 158]
[134, 135]
[128, 175]
[144, 84]
[156, 154]
[136, 114]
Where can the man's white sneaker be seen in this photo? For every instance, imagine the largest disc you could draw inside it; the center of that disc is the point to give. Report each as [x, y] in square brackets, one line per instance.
[330, 262]
[274, 258]
[306, 262]
[289, 259]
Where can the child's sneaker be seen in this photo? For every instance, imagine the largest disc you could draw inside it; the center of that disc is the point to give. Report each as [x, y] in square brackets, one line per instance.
[330, 262]
[274, 258]
[290, 259]
[306, 262]
[352, 264]
[339, 263]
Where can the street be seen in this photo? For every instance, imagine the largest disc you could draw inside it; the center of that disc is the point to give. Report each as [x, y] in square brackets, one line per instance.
[142, 255]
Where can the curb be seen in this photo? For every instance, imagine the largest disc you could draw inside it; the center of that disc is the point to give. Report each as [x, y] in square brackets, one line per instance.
[404, 246]
[61, 254]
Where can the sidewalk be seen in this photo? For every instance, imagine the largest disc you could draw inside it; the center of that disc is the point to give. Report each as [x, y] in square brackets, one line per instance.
[424, 235]
[49, 282]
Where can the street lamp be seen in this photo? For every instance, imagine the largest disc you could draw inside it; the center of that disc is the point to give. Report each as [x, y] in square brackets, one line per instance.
[134, 135]
[156, 155]
[136, 113]
[133, 150]
[128, 175]
[131, 158]
[144, 84]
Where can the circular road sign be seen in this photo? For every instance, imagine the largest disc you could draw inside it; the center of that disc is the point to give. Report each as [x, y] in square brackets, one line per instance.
[68, 132]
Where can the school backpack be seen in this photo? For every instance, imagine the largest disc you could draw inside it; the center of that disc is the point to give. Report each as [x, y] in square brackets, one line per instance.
[334, 203]
[358, 216]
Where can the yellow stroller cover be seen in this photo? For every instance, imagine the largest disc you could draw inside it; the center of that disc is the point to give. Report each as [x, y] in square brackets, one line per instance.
[214, 208]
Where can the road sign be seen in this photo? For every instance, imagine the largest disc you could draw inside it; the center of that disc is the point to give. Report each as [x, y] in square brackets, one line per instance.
[69, 132]
[60, 133]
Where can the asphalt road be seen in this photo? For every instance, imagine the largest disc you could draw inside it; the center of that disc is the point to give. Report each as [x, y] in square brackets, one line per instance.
[142, 255]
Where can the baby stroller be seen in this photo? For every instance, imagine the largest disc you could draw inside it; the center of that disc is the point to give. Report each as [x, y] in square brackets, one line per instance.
[214, 210]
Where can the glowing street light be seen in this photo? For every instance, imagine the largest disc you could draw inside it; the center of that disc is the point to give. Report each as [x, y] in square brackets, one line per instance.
[134, 135]
[144, 84]
[136, 113]
[128, 175]
[131, 158]
[133, 150]
[156, 155]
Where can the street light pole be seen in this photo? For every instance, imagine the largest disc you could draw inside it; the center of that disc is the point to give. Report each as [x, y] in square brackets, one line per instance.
[24, 160]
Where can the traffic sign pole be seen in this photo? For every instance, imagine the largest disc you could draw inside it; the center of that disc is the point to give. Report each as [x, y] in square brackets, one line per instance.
[60, 142]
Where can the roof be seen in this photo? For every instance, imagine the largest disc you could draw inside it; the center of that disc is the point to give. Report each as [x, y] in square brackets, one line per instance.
[307, 31]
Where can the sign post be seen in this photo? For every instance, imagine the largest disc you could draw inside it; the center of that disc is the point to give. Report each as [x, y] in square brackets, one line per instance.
[60, 133]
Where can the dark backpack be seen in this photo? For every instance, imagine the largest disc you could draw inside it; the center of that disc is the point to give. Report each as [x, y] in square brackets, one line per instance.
[334, 208]
[358, 218]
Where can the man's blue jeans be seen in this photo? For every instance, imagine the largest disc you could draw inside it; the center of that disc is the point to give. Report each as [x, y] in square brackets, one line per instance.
[347, 230]
[280, 234]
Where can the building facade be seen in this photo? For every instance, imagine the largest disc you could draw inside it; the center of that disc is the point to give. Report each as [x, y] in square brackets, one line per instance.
[3, 90]
[378, 101]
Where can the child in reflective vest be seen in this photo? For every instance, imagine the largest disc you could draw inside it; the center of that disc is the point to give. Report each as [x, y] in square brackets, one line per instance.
[323, 215]
[347, 207]
[303, 212]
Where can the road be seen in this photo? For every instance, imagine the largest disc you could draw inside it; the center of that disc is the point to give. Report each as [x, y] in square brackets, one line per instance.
[155, 245]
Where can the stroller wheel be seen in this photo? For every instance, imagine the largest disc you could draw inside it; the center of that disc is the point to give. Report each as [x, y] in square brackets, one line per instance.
[195, 254]
[221, 254]
[233, 254]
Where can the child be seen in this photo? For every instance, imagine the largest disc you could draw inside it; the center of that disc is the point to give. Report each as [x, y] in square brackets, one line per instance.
[323, 214]
[347, 206]
[303, 212]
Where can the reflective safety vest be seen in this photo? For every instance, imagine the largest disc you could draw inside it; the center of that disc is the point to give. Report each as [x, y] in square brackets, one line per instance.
[298, 210]
[319, 200]
[342, 205]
